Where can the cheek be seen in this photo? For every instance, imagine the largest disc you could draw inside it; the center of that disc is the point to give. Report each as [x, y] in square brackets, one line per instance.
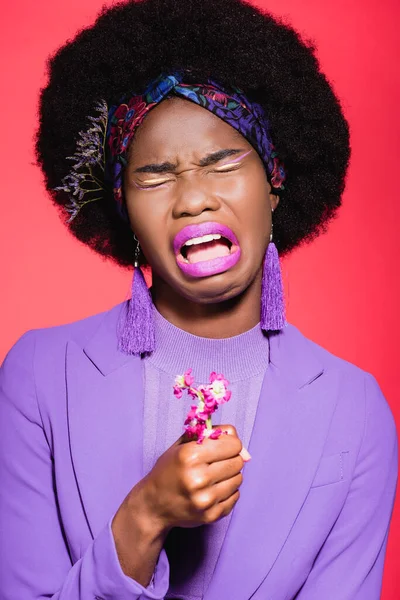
[249, 200]
[149, 221]
[147, 217]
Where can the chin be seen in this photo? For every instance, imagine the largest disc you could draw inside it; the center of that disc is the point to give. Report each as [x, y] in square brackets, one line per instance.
[214, 290]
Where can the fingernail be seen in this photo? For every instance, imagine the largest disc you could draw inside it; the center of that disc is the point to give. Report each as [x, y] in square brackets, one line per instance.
[245, 455]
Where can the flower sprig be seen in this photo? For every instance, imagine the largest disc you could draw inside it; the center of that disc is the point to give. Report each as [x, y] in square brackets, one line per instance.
[210, 397]
[84, 182]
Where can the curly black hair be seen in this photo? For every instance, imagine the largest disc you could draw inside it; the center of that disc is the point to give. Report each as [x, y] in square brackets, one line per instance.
[229, 41]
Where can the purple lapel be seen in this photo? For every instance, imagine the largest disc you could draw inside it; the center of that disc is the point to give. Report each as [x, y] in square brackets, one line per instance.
[105, 415]
[293, 416]
[105, 407]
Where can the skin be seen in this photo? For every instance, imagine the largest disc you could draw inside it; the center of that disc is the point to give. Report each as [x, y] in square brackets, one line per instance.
[181, 133]
[192, 484]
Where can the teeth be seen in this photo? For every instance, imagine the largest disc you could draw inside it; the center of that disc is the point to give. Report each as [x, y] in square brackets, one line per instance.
[203, 239]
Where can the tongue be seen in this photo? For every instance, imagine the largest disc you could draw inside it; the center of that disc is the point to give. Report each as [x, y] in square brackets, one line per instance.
[207, 251]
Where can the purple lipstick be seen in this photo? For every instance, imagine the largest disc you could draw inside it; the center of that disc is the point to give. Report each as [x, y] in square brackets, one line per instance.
[206, 249]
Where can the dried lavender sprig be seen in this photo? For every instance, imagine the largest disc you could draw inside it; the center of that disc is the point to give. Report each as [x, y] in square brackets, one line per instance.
[89, 154]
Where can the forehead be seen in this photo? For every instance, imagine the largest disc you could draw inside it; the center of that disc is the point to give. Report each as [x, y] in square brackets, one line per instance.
[177, 125]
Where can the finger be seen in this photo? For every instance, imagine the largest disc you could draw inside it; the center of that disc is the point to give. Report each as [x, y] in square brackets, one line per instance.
[224, 489]
[224, 469]
[227, 428]
[205, 499]
[231, 430]
[226, 507]
[226, 446]
[184, 439]
[181, 440]
[222, 509]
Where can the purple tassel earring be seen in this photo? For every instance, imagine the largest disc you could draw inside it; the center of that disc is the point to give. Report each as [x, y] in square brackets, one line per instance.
[137, 333]
[272, 299]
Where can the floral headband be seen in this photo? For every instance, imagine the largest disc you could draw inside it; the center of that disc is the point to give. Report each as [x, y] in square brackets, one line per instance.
[101, 151]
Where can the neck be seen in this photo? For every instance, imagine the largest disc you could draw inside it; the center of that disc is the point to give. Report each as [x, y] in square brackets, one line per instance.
[219, 320]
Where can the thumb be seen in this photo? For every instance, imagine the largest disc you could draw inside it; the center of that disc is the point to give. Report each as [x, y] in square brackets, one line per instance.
[184, 439]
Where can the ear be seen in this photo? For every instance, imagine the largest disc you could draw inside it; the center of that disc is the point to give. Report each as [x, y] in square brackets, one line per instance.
[274, 200]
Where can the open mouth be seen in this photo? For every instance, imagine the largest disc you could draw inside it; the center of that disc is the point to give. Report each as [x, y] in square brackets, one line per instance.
[205, 248]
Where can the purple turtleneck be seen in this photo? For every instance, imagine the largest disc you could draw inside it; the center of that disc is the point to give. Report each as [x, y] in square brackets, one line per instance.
[243, 359]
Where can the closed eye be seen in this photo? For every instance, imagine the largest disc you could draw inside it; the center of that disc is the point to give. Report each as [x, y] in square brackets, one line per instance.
[228, 167]
[155, 183]
[158, 182]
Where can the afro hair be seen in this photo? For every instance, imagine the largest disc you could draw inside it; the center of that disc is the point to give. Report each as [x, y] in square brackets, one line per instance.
[229, 41]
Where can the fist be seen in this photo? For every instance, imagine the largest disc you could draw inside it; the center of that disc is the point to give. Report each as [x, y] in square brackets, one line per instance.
[193, 484]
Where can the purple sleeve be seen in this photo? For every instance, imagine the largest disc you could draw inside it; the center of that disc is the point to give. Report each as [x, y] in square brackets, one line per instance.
[350, 564]
[34, 558]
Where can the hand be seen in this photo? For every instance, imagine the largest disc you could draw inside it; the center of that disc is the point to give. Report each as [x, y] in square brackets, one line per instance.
[193, 484]
[190, 485]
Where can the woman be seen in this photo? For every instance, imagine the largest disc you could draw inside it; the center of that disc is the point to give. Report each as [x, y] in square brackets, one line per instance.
[198, 138]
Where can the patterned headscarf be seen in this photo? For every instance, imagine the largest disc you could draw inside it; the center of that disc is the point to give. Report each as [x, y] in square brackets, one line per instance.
[119, 124]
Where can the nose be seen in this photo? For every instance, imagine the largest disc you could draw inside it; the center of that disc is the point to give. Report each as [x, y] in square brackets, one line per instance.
[194, 198]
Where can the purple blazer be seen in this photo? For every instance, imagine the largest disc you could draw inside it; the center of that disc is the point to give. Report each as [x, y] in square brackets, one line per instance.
[313, 516]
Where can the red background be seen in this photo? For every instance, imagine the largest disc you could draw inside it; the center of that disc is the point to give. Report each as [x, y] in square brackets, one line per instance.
[342, 291]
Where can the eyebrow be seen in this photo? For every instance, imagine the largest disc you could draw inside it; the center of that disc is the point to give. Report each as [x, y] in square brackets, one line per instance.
[210, 159]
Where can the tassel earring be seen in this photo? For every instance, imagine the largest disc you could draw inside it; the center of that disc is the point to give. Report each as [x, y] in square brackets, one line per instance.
[272, 299]
[137, 333]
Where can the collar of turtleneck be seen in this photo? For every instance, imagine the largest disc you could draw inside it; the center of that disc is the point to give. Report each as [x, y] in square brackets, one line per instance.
[237, 357]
